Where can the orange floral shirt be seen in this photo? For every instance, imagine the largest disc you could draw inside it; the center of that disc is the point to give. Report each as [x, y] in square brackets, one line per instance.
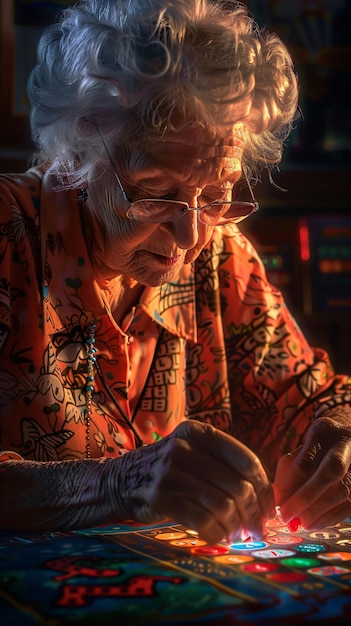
[216, 345]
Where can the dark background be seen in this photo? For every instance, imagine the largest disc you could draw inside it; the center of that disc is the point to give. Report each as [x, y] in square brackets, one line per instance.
[302, 233]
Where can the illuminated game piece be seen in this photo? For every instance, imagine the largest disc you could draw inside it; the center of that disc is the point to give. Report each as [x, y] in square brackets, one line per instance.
[344, 542]
[311, 547]
[288, 578]
[285, 540]
[324, 534]
[329, 570]
[210, 550]
[261, 567]
[294, 525]
[187, 542]
[170, 536]
[248, 545]
[272, 553]
[233, 559]
[336, 556]
[300, 561]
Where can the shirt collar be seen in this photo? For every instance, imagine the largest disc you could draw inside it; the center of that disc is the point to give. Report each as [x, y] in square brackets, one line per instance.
[71, 295]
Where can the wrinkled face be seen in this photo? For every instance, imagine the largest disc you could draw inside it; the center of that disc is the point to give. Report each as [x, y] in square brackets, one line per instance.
[190, 166]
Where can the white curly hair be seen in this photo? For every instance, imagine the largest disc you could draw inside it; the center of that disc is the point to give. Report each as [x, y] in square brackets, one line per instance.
[134, 66]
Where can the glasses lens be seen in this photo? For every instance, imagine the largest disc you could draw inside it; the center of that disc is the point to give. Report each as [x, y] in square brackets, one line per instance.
[155, 210]
[224, 212]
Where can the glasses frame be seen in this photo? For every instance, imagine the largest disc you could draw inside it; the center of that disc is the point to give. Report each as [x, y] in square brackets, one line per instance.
[185, 207]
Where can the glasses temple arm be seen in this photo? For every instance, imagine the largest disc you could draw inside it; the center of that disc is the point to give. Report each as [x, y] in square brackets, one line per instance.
[112, 163]
[250, 187]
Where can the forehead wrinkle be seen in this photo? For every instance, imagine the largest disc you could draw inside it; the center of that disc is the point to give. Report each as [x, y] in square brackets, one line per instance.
[199, 149]
[191, 158]
[199, 174]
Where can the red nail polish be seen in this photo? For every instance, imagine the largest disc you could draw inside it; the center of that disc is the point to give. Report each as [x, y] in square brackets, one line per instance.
[294, 525]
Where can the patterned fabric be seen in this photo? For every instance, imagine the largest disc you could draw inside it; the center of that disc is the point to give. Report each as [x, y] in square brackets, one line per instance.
[217, 345]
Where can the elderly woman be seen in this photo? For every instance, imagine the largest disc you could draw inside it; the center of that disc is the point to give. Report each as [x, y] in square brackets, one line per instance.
[148, 370]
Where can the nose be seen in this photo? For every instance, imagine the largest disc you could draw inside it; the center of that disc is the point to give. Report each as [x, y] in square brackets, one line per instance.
[183, 229]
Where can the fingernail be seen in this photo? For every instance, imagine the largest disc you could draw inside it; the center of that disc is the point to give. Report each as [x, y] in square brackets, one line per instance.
[294, 525]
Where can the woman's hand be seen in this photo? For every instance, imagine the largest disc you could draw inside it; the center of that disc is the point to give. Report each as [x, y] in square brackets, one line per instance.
[314, 482]
[200, 477]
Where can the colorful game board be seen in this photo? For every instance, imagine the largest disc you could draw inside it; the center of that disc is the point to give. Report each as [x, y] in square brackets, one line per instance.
[141, 575]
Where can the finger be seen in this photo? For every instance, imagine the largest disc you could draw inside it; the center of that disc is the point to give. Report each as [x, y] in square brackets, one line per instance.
[235, 508]
[283, 481]
[201, 507]
[212, 518]
[329, 508]
[329, 471]
[331, 515]
[294, 469]
[227, 502]
[243, 493]
[231, 505]
[249, 510]
[216, 517]
[235, 455]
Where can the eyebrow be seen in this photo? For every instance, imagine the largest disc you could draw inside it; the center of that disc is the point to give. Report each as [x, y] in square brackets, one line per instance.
[159, 180]
[147, 180]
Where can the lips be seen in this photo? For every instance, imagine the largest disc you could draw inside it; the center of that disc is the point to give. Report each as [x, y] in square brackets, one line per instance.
[166, 260]
[162, 259]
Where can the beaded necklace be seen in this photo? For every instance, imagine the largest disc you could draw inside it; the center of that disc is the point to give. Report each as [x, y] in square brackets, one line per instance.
[89, 386]
[92, 366]
[91, 360]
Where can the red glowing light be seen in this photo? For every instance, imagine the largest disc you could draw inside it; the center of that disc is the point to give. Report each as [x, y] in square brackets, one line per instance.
[294, 525]
[304, 240]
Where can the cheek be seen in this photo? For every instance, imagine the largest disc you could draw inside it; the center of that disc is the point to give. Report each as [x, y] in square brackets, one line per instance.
[125, 236]
[207, 234]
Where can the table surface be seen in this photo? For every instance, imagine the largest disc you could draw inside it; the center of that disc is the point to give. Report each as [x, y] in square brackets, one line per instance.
[161, 575]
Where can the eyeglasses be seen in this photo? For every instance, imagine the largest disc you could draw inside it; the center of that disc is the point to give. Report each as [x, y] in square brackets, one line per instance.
[161, 210]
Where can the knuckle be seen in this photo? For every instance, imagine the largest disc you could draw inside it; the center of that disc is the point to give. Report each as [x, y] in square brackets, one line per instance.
[245, 492]
[190, 428]
[327, 429]
[346, 481]
[335, 467]
[304, 464]
[229, 507]
[175, 450]
[253, 472]
[255, 467]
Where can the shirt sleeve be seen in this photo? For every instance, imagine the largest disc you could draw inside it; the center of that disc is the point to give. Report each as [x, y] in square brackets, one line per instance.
[266, 383]
[19, 226]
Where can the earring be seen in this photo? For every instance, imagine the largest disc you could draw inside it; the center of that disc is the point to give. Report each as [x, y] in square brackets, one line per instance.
[83, 195]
